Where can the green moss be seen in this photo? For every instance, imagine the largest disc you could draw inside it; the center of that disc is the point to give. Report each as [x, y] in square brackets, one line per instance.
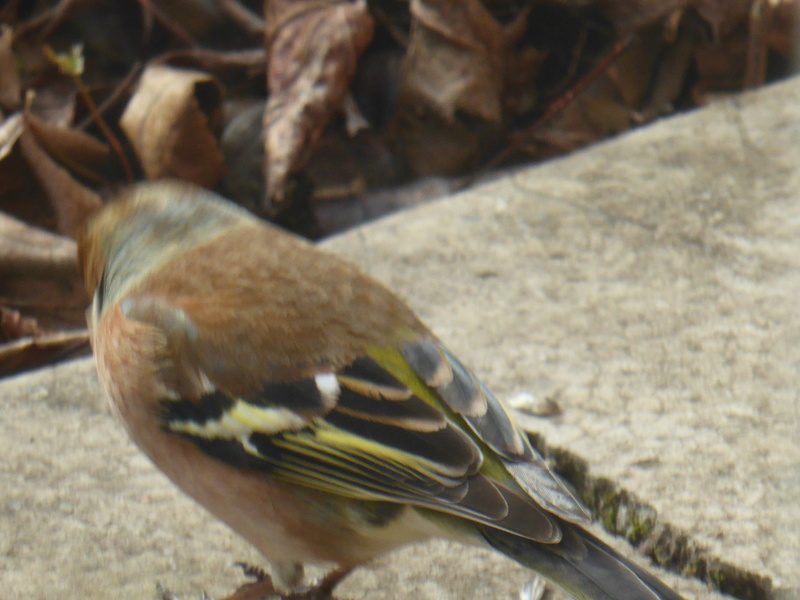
[621, 512]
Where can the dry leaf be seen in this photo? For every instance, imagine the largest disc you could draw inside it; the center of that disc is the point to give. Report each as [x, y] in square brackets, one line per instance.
[14, 326]
[670, 71]
[784, 32]
[79, 152]
[32, 252]
[722, 16]
[34, 352]
[313, 48]
[456, 58]
[431, 145]
[242, 144]
[10, 87]
[171, 121]
[39, 275]
[10, 130]
[720, 68]
[71, 201]
[628, 16]
[20, 194]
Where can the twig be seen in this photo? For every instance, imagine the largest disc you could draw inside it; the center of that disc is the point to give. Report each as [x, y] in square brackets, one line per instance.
[113, 97]
[243, 16]
[72, 65]
[558, 106]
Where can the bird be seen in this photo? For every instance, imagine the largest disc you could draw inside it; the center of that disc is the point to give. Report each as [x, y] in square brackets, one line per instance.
[307, 407]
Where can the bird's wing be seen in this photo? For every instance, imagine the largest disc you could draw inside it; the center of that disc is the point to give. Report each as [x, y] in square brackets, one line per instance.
[460, 391]
[406, 424]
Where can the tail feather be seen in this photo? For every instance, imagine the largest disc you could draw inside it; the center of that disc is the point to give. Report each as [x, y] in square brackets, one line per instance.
[582, 565]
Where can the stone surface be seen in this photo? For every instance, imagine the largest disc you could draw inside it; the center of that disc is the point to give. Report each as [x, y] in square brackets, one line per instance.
[648, 287]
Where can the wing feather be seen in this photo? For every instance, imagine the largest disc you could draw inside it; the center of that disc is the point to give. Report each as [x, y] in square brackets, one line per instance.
[409, 425]
[491, 422]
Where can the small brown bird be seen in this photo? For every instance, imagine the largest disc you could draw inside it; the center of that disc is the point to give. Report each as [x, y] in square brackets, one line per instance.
[307, 407]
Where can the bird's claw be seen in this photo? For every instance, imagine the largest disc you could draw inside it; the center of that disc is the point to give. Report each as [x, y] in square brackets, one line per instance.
[263, 588]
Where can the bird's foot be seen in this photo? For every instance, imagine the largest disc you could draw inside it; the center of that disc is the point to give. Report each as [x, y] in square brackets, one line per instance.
[165, 594]
[264, 589]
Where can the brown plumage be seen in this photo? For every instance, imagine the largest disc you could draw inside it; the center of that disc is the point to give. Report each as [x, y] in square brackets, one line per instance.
[307, 407]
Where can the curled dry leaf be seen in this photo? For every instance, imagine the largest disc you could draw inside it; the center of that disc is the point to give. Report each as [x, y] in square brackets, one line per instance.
[34, 352]
[10, 130]
[242, 144]
[722, 16]
[71, 201]
[77, 151]
[456, 58]
[9, 74]
[720, 69]
[39, 275]
[431, 145]
[14, 326]
[171, 121]
[30, 252]
[628, 16]
[313, 48]
[20, 194]
[783, 34]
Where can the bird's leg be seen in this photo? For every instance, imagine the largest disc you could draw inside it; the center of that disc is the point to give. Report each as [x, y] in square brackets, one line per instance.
[264, 587]
[323, 589]
[258, 590]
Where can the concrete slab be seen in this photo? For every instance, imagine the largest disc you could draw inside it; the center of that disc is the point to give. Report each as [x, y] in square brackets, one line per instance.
[650, 286]
[647, 286]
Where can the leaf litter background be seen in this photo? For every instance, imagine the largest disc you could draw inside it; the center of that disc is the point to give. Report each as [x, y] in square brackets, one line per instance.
[321, 114]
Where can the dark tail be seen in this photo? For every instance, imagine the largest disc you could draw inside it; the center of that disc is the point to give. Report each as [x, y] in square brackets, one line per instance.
[582, 565]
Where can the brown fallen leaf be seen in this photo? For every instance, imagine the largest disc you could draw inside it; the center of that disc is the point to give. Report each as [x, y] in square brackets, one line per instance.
[10, 86]
[760, 26]
[14, 326]
[170, 122]
[313, 48]
[723, 16]
[39, 275]
[720, 69]
[456, 58]
[20, 195]
[242, 144]
[33, 252]
[465, 77]
[77, 151]
[628, 16]
[71, 201]
[430, 145]
[10, 130]
[783, 33]
[33, 352]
